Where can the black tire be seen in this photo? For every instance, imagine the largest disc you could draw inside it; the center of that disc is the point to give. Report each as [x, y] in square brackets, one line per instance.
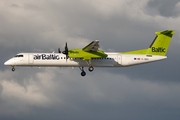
[91, 68]
[13, 69]
[83, 73]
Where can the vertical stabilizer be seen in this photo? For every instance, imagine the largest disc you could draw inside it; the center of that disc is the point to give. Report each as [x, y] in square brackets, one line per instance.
[161, 42]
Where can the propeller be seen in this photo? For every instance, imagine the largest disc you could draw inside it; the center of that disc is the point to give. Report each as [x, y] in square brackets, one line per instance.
[59, 51]
[66, 51]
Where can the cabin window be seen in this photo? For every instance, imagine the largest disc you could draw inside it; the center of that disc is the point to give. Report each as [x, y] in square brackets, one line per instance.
[19, 56]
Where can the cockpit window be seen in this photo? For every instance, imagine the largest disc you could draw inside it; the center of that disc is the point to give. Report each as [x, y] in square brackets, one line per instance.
[19, 56]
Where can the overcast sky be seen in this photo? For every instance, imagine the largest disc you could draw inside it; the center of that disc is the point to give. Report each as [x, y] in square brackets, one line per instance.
[144, 92]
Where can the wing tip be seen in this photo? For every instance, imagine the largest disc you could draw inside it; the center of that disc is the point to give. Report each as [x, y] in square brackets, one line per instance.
[96, 40]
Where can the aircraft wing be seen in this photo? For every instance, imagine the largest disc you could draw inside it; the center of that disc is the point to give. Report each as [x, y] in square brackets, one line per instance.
[88, 52]
[93, 46]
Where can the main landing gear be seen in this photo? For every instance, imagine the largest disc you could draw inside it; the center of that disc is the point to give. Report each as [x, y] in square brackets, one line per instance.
[91, 68]
[83, 73]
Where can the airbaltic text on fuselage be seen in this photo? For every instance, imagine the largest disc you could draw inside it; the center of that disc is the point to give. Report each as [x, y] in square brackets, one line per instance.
[46, 57]
[159, 49]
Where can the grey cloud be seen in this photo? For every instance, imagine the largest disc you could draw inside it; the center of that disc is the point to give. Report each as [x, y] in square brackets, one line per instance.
[164, 7]
[94, 98]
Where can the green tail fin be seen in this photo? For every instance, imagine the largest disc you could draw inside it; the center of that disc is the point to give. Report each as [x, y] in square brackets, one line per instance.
[159, 46]
[161, 43]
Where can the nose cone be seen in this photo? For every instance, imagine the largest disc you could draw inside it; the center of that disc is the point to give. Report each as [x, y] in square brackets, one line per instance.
[9, 62]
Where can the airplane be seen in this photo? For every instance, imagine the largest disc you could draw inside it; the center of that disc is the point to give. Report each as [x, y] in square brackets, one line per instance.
[90, 56]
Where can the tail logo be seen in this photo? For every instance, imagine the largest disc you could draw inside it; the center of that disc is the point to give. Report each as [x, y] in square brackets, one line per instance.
[159, 49]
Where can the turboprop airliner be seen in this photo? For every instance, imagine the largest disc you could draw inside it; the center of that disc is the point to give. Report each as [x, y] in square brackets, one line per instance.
[90, 56]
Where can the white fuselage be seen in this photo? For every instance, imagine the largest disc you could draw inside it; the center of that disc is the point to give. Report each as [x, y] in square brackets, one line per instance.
[59, 60]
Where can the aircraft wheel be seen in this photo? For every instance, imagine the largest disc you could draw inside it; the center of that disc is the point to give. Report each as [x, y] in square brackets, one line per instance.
[91, 68]
[13, 69]
[83, 73]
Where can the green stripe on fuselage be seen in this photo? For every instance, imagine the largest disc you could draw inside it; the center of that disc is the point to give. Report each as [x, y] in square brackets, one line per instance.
[142, 52]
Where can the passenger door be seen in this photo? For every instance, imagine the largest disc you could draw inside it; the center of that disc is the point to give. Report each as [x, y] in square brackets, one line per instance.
[31, 60]
[119, 59]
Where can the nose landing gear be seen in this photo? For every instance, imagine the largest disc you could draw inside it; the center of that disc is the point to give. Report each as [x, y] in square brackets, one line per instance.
[13, 69]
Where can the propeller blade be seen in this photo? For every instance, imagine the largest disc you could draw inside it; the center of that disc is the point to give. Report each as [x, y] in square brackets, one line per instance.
[59, 51]
[66, 48]
[66, 45]
[66, 57]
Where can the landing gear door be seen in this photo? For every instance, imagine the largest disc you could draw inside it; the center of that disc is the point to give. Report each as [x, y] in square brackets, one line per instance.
[31, 60]
[119, 59]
